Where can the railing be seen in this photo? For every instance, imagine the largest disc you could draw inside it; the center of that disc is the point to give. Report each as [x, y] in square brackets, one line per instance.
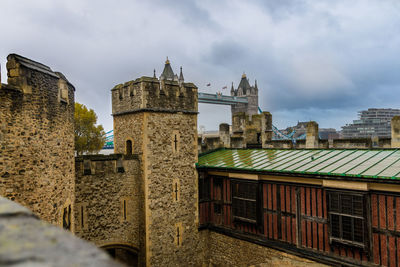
[221, 99]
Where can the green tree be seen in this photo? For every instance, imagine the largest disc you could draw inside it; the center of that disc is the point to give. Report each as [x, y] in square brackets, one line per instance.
[88, 137]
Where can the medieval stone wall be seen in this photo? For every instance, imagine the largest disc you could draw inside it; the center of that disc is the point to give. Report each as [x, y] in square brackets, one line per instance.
[127, 96]
[171, 190]
[108, 200]
[27, 241]
[128, 127]
[228, 251]
[37, 138]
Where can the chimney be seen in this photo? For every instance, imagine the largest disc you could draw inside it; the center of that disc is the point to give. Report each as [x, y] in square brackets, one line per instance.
[266, 128]
[312, 135]
[224, 135]
[395, 142]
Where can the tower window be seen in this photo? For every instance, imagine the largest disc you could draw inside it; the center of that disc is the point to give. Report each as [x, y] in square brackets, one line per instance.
[175, 141]
[176, 190]
[125, 203]
[67, 217]
[82, 223]
[128, 148]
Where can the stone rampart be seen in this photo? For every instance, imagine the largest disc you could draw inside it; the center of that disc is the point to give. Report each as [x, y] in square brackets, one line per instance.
[224, 250]
[108, 199]
[151, 94]
[37, 140]
[27, 241]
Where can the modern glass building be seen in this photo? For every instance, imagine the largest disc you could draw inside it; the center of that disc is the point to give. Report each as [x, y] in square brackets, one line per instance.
[371, 122]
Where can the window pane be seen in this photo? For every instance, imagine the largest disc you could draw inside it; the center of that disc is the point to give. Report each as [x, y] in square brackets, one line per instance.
[335, 226]
[244, 196]
[359, 230]
[217, 208]
[334, 201]
[357, 205]
[347, 205]
[347, 228]
[251, 210]
[245, 190]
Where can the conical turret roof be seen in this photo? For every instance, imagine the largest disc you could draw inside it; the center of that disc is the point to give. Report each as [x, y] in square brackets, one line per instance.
[244, 84]
[181, 76]
[167, 73]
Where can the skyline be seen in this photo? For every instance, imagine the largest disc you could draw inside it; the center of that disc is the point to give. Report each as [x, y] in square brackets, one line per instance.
[319, 61]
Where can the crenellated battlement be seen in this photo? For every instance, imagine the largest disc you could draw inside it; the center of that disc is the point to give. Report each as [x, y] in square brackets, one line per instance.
[147, 93]
[101, 164]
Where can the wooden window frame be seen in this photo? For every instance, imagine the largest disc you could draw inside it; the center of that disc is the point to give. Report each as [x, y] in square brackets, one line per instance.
[204, 188]
[218, 203]
[254, 201]
[340, 240]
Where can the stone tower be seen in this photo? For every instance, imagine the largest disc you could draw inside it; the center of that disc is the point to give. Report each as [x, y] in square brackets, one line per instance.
[37, 140]
[245, 89]
[157, 120]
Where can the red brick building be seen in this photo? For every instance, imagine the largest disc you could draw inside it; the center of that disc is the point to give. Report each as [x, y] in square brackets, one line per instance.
[340, 207]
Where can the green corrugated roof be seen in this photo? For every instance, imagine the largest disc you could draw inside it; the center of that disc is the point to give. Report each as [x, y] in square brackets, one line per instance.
[383, 164]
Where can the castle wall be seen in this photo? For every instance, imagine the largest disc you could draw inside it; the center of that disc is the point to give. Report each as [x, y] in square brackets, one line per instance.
[168, 209]
[108, 199]
[27, 241]
[352, 143]
[228, 251]
[37, 139]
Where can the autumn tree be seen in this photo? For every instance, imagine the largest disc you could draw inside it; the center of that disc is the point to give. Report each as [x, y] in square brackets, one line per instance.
[89, 137]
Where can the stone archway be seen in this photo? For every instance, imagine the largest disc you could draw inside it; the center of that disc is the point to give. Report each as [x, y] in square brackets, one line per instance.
[123, 253]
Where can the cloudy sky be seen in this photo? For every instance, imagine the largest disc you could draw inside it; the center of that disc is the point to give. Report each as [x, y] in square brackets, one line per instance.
[313, 60]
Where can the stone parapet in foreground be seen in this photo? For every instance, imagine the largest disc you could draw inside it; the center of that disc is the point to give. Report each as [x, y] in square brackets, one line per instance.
[25, 240]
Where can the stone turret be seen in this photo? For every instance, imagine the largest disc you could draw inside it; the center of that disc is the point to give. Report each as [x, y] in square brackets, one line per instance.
[395, 142]
[266, 128]
[224, 135]
[312, 135]
[159, 119]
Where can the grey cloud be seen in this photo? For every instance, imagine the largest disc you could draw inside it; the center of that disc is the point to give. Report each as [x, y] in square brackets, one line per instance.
[312, 59]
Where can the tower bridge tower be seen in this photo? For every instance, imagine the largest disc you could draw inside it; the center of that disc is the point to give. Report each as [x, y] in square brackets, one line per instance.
[245, 89]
